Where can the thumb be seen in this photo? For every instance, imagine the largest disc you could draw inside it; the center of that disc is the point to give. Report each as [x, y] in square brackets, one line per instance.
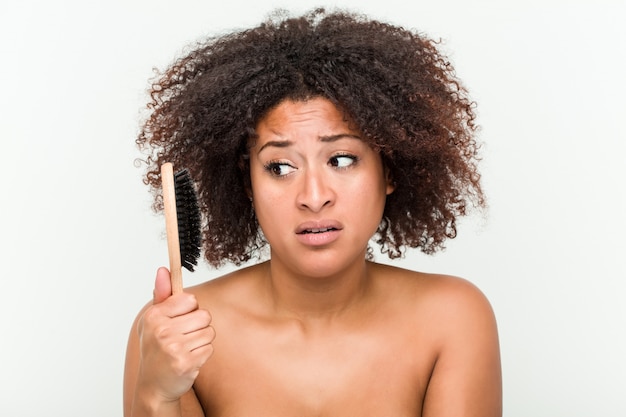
[162, 286]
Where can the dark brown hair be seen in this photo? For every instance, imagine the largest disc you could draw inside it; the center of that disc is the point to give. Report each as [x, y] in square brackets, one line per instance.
[394, 84]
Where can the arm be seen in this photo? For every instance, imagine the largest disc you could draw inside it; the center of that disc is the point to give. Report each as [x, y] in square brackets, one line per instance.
[466, 379]
[169, 342]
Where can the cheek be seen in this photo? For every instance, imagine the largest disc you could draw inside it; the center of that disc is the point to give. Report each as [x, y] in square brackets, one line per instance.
[368, 196]
[267, 202]
[256, 183]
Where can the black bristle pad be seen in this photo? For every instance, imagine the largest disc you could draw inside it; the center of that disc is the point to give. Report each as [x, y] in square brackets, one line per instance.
[188, 216]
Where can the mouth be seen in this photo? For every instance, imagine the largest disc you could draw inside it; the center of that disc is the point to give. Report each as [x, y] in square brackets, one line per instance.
[318, 227]
[316, 230]
[318, 234]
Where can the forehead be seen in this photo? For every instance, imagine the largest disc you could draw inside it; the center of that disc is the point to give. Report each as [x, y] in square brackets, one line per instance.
[317, 114]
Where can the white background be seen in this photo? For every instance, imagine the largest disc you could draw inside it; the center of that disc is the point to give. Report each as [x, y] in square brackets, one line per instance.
[80, 244]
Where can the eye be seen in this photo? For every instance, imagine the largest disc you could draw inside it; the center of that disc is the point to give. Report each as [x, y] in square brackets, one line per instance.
[279, 169]
[342, 161]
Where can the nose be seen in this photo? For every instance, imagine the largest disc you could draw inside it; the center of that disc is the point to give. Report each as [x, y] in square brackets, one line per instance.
[315, 191]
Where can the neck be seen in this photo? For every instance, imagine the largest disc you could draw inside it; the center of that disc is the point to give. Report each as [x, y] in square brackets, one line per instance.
[321, 297]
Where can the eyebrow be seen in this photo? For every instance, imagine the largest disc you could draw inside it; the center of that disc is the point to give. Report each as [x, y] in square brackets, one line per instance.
[287, 143]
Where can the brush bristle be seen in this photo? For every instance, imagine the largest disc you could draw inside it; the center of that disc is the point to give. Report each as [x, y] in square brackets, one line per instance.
[189, 221]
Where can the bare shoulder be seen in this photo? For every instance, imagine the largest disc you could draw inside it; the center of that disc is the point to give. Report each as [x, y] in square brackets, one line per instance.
[240, 287]
[456, 321]
[428, 286]
[453, 304]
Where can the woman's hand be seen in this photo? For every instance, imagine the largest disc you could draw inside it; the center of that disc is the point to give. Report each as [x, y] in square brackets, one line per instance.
[172, 342]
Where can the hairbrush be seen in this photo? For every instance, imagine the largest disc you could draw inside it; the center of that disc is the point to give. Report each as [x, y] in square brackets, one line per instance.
[182, 222]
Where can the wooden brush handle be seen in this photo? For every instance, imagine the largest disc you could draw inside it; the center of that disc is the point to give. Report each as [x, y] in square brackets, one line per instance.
[171, 226]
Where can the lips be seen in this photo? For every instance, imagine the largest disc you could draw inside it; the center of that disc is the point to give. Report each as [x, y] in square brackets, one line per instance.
[318, 233]
[326, 229]
[314, 227]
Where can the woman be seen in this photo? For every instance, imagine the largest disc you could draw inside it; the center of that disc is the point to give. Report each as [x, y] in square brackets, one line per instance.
[311, 136]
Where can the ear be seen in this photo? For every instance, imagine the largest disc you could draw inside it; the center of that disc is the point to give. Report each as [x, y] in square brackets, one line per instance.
[391, 184]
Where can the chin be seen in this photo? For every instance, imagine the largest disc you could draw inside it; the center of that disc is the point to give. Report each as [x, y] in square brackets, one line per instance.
[324, 263]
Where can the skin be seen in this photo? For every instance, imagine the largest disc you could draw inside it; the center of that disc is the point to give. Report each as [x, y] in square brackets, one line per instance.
[317, 330]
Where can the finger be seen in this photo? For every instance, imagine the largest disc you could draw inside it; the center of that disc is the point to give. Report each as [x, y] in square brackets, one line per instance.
[193, 321]
[200, 341]
[189, 350]
[196, 360]
[162, 286]
[201, 354]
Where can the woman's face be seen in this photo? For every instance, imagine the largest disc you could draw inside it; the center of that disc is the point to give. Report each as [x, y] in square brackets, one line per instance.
[318, 190]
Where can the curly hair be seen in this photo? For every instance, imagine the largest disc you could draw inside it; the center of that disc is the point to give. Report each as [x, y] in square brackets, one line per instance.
[394, 84]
